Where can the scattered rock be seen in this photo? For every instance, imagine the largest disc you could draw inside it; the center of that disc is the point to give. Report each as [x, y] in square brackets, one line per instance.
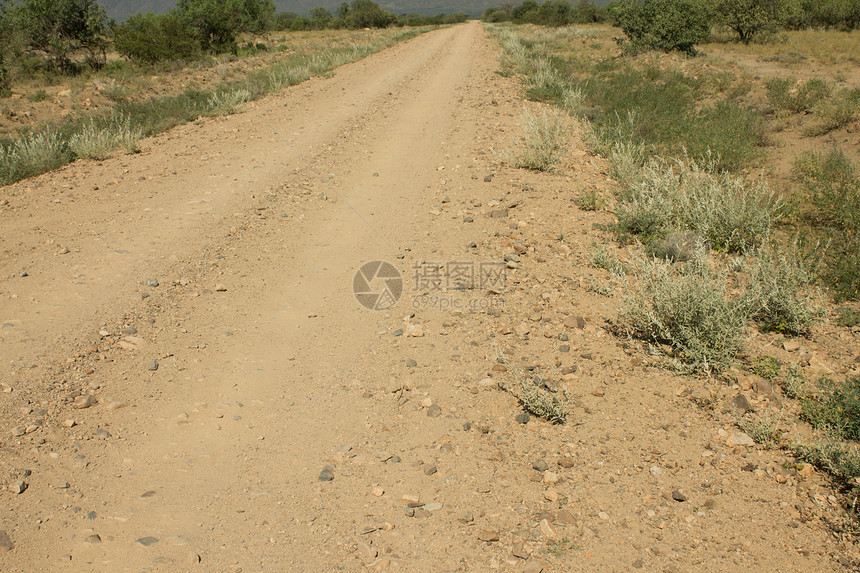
[791, 345]
[488, 536]
[19, 431]
[220, 288]
[152, 282]
[17, 487]
[411, 363]
[434, 411]
[519, 551]
[430, 469]
[433, 506]
[566, 517]
[547, 529]
[741, 404]
[94, 538]
[499, 213]
[327, 474]
[147, 541]
[679, 495]
[540, 465]
[574, 322]
[566, 462]
[523, 418]
[398, 332]
[152, 365]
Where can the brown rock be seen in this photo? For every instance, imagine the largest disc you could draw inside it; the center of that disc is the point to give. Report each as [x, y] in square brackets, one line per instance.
[566, 462]
[84, 401]
[488, 536]
[574, 322]
[566, 517]
[5, 542]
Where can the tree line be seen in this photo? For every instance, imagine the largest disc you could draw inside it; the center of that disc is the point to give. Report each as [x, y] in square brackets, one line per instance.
[681, 24]
[64, 36]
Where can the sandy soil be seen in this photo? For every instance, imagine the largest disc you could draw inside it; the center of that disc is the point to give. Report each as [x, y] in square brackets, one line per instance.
[268, 370]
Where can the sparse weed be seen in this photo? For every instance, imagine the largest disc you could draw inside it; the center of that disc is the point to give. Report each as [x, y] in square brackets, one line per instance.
[589, 201]
[764, 429]
[39, 95]
[544, 139]
[601, 258]
[794, 383]
[767, 367]
[542, 403]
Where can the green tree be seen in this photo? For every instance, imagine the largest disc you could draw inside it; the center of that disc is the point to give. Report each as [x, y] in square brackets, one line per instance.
[62, 28]
[663, 24]
[320, 17]
[217, 23]
[368, 14]
[156, 37]
[749, 18]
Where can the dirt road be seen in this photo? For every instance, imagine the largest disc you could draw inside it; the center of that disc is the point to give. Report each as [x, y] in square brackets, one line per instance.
[201, 293]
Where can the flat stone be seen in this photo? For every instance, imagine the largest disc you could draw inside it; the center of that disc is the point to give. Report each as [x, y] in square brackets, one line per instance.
[679, 495]
[94, 538]
[739, 439]
[523, 418]
[84, 401]
[540, 465]
[434, 411]
[5, 542]
[434, 506]
[574, 322]
[430, 470]
[488, 536]
[19, 431]
[566, 517]
[147, 541]
[152, 365]
[566, 462]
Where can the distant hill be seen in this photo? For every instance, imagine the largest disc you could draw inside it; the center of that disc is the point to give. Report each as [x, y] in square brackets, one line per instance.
[122, 9]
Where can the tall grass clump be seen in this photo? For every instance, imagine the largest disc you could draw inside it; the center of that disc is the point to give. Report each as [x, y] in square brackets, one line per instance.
[228, 102]
[687, 309]
[733, 214]
[544, 139]
[32, 154]
[98, 142]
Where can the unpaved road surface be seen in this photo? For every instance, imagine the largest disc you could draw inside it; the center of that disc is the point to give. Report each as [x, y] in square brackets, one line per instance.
[268, 370]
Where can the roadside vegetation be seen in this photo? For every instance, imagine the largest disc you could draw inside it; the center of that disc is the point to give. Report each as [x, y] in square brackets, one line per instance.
[726, 239]
[46, 45]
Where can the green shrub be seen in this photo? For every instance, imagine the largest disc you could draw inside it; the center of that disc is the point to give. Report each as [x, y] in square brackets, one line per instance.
[731, 214]
[785, 94]
[836, 408]
[664, 24]
[5, 89]
[686, 308]
[39, 95]
[834, 192]
[779, 296]
[228, 102]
